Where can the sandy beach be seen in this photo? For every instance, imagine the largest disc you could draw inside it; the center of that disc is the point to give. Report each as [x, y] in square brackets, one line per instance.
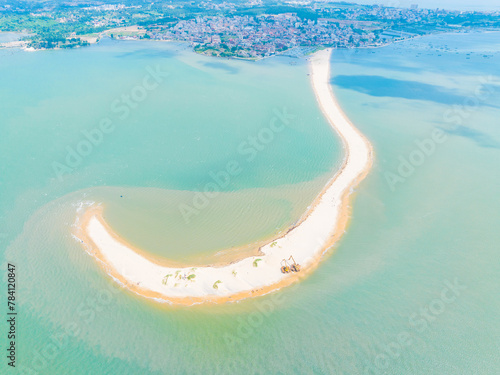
[319, 228]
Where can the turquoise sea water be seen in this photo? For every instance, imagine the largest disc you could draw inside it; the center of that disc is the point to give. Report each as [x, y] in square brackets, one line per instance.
[375, 306]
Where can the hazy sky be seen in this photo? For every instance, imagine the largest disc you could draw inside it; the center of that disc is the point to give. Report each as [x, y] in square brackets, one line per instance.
[444, 4]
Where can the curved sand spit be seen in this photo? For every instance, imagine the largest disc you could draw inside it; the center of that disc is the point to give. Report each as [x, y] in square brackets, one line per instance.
[320, 227]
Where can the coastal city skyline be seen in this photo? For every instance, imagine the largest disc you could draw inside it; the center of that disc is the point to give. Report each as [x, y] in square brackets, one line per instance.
[250, 30]
[464, 5]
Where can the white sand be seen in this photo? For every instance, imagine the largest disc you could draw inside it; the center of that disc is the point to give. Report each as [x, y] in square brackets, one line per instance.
[306, 242]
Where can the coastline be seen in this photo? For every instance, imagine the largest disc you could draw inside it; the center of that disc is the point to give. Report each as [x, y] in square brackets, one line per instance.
[318, 229]
[96, 38]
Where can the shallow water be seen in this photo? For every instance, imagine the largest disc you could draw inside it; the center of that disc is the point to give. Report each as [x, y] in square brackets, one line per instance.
[407, 239]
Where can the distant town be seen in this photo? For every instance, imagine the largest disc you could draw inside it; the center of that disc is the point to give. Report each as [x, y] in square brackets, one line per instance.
[250, 30]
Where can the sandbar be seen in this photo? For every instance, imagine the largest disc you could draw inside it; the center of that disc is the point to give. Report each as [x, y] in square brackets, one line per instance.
[307, 241]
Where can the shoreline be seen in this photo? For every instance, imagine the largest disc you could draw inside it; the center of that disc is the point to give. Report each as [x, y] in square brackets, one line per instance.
[313, 234]
[96, 39]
